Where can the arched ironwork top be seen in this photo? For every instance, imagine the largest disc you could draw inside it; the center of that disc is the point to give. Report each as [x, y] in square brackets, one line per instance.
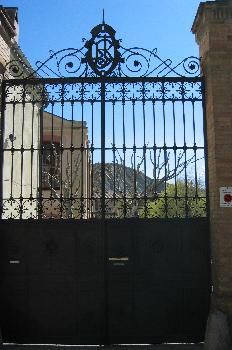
[103, 55]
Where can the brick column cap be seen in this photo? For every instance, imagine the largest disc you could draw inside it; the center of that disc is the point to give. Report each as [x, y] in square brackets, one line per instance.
[212, 11]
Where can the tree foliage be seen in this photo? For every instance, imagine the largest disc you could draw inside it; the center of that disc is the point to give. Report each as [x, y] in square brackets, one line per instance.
[183, 199]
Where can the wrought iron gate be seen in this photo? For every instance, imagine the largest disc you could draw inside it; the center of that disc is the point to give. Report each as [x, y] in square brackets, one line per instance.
[104, 168]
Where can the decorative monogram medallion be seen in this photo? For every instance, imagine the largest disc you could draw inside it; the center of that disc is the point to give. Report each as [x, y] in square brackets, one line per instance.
[103, 55]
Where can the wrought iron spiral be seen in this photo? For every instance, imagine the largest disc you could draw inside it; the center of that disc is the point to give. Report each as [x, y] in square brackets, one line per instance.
[103, 55]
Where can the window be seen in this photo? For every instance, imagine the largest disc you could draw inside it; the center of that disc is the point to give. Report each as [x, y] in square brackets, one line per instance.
[51, 166]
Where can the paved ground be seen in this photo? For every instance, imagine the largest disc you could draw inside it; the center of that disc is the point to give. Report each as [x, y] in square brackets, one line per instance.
[142, 347]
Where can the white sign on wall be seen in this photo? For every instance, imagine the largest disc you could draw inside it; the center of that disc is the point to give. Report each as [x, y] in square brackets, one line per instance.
[226, 197]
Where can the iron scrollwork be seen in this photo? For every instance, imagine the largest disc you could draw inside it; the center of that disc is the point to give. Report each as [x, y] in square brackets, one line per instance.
[143, 62]
[103, 55]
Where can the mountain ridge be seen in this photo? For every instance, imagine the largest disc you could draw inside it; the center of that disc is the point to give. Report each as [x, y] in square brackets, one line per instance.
[114, 180]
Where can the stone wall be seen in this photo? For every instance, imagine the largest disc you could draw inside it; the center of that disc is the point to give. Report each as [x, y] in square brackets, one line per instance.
[8, 34]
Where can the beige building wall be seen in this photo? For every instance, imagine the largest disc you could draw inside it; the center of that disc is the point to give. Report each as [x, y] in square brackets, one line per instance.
[21, 158]
[20, 169]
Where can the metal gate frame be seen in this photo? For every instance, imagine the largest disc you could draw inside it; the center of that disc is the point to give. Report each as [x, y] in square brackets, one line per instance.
[103, 63]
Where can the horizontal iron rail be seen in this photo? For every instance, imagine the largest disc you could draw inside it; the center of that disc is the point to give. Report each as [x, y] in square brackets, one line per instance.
[109, 100]
[156, 196]
[96, 80]
[31, 149]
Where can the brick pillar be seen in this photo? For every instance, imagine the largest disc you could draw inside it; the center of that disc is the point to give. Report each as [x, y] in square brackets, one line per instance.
[213, 29]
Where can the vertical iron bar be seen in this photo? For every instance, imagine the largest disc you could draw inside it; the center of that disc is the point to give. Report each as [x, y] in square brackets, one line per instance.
[114, 157]
[134, 152]
[175, 159]
[71, 161]
[93, 203]
[22, 154]
[124, 155]
[62, 194]
[105, 234]
[195, 157]
[53, 154]
[12, 152]
[88, 181]
[32, 150]
[144, 154]
[82, 157]
[203, 91]
[165, 154]
[41, 152]
[3, 107]
[103, 149]
[185, 155]
[154, 147]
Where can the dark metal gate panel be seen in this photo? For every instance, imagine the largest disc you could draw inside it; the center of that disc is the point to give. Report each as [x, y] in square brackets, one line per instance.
[52, 282]
[54, 286]
[158, 290]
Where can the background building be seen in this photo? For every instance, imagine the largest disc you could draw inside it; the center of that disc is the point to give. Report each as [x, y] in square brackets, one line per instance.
[21, 127]
[49, 184]
[66, 168]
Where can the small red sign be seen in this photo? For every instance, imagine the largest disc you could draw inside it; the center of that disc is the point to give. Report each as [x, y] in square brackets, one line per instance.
[227, 198]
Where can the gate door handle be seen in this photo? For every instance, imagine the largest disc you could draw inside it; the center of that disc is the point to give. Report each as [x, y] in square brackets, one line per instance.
[123, 258]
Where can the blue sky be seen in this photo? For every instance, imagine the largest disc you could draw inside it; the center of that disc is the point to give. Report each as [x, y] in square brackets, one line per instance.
[58, 24]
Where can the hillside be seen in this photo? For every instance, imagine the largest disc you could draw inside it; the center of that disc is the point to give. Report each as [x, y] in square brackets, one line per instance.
[119, 179]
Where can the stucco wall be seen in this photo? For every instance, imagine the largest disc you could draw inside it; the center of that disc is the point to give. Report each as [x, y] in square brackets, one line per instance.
[21, 156]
